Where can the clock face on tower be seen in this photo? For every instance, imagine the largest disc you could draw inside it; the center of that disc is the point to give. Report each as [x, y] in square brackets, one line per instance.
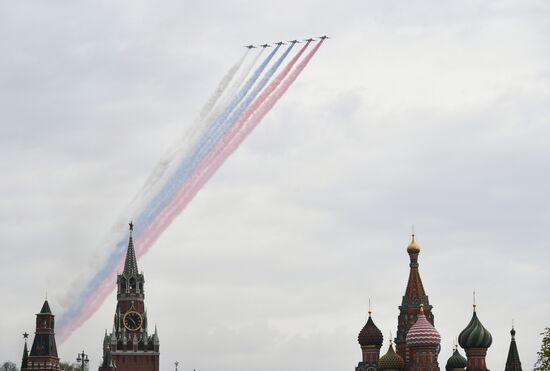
[132, 320]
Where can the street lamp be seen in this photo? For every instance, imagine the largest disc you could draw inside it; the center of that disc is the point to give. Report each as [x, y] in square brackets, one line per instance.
[176, 364]
[83, 360]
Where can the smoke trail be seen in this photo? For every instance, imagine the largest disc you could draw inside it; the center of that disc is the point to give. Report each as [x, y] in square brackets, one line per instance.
[159, 173]
[210, 165]
[197, 180]
[206, 142]
[198, 132]
[233, 130]
[85, 297]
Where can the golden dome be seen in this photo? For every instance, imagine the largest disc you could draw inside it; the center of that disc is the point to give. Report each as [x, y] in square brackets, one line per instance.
[413, 247]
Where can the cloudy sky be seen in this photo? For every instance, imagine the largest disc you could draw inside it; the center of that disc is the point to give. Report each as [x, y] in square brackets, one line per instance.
[432, 113]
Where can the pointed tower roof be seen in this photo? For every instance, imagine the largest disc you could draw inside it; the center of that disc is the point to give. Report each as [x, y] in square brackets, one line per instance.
[130, 265]
[25, 359]
[45, 308]
[414, 293]
[512, 362]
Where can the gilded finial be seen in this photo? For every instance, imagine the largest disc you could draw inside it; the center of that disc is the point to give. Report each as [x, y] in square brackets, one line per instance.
[413, 247]
[421, 308]
[369, 308]
[474, 295]
[391, 339]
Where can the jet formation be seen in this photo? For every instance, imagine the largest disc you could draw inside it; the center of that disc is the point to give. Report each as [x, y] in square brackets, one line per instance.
[252, 46]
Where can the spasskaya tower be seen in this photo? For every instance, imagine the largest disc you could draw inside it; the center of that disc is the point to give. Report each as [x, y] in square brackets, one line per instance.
[130, 347]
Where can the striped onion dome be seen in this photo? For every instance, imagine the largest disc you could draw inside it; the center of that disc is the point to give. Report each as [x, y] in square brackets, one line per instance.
[422, 332]
[456, 361]
[391, 360]
[475, 335]
[370, 334]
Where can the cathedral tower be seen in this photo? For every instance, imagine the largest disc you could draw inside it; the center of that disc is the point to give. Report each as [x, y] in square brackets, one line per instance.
[410, 305]
[512, 362]
[129, 347]
[370, 338]
[43, 355]
[423, 342]
[475, 339]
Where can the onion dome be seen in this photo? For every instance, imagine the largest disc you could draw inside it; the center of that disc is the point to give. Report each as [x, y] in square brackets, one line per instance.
[422, 332]
[475, 335]
[370, 334]
[391, 360]
[413, 247]
[456, 361]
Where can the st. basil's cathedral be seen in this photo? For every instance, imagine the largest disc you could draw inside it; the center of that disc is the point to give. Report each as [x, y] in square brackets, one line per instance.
[417, 342]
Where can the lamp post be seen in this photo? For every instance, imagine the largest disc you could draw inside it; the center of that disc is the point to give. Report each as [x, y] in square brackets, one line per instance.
[83, 360]
[176, 364]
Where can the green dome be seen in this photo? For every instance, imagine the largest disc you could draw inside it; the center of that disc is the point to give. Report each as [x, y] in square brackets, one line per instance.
[391, 360]
[475, 335]
[456, 361]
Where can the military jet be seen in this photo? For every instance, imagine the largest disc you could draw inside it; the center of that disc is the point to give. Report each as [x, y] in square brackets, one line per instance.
[250, 46]
[309, 40]
[324, 37]
[265, 46]
[294, 41]
[280, 43]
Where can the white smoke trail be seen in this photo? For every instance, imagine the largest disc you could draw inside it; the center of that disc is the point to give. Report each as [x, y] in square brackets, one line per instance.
[169, 164]
[159, 172]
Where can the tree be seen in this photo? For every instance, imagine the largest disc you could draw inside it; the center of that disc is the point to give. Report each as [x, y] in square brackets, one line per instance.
[543, 362]
[9, 366]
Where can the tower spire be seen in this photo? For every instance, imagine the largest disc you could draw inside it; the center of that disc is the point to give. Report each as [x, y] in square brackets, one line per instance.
[415, 295]
[130, 265]
[513, 362]
[25, 359]
[43, 350]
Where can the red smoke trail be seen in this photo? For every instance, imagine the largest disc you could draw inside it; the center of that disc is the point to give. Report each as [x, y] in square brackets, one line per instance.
[254, 114]
[91, 305]
[224, 149]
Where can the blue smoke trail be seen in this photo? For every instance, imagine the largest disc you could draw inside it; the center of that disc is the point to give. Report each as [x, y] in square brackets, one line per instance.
[152, 208]
[209, 140]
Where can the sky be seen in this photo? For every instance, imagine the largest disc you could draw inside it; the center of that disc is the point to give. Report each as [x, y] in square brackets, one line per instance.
[426, 113]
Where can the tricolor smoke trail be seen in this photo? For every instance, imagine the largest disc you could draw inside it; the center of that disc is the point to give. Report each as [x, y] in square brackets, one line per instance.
[237, 106]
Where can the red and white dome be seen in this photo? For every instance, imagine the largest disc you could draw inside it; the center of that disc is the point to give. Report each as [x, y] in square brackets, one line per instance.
[422, 332]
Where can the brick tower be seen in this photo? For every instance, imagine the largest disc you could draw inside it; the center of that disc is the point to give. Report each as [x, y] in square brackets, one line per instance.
[370, 338]
[410, 305]
[129, 347]
[423, 342]
[43, 355]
